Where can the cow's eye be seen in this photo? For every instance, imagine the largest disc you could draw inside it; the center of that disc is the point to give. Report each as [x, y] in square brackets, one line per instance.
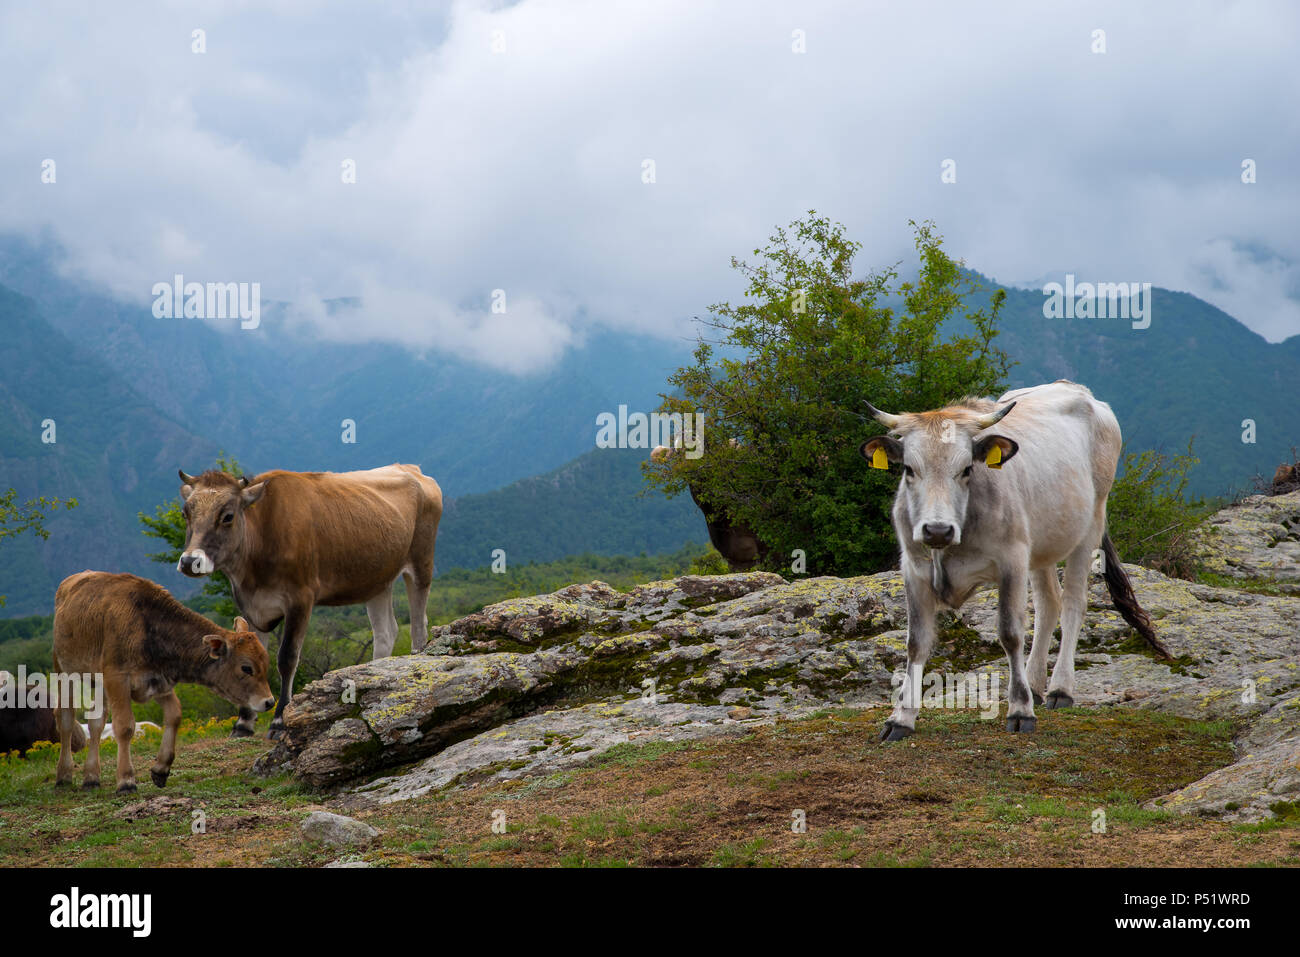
[227, 518]
[248, 669]
[907, 470]
[965, 473]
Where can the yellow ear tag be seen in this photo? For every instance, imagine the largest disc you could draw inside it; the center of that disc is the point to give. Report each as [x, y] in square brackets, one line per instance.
[994, 459]
[879, 460]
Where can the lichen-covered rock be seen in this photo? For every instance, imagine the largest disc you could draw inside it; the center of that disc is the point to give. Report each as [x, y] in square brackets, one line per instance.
[1258, 539]
[532, 685]
[336, 830]
[1250, 789]
[552, 740]
[393, 710]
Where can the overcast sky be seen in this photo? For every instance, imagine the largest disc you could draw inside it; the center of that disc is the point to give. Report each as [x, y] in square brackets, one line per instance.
[522, 169]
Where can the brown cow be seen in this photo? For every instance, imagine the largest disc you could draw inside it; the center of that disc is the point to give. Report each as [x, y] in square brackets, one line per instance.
[21, 724]
[736, 543]
[289, 541]
[142, 641]
[1285, 478]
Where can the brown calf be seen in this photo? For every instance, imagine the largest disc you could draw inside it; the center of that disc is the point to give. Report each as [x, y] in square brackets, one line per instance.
[143, 642]
[289, 541]
[736, 543]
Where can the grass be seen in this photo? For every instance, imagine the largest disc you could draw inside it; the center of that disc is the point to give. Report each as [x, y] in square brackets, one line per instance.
[1253, 585]
[961, 792]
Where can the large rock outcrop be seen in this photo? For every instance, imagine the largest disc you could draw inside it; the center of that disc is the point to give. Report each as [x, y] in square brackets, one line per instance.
[532, 685]
[1256, 540]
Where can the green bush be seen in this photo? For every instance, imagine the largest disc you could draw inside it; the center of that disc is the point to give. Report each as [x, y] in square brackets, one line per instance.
[783, 398]
[1150, 517]
[710, 562]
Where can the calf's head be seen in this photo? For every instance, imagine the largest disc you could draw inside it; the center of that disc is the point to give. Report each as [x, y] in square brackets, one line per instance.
[939, 452]
[213, 506]
[237, 667]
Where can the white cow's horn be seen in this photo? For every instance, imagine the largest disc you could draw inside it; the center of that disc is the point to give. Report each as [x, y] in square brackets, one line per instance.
[884, 418]
[992, 418]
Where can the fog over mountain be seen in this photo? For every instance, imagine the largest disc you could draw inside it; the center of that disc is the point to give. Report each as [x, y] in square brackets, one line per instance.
[504, 147]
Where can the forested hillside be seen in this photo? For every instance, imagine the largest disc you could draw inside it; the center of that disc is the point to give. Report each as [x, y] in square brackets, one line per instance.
[134, 398]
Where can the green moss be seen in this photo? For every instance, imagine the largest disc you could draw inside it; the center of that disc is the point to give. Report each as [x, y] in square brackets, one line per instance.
[1134, 644]
[959, 647]
[1258, 586]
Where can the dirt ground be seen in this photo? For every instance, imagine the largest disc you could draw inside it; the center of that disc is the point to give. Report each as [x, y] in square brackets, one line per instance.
[961, 792]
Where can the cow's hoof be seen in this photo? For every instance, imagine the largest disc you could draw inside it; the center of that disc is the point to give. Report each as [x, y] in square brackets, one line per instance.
[1059, 699]
[1038, 699]
[159, 777]
[895, 732]
[275, 734]
[63, 784]
[90, 785]
[127, 788]
[1019, 725]
[239, 732]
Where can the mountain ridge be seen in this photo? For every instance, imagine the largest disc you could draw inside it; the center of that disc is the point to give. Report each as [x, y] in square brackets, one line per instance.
[135, 398]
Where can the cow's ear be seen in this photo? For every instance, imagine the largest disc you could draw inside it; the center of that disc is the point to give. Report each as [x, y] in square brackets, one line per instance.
[995, 450]
[216, 646]
[241, 624]
[251, 494]
[882, 450]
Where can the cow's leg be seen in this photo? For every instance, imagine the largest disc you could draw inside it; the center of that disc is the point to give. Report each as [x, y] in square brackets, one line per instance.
[1013, 597]
[921, 612]
[1060, 694]
[162, 765]
[383, 622]
[247, 723]
[417, 595]
[295, 629]
[119, 702]
[95, 733]
[66, 719]
[1047, 611]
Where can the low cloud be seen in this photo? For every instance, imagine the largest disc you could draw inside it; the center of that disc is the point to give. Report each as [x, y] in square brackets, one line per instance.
[522, 170]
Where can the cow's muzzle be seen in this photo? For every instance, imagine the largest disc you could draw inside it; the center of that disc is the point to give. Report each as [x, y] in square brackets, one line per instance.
[938, 534]
[195, 564]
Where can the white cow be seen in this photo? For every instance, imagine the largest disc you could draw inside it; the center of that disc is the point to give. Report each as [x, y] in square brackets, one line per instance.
[107, 734]
[964, 521]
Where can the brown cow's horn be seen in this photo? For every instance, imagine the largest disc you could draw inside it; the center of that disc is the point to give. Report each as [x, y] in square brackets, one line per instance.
[984, 421]
[884, 418]
[187, 479]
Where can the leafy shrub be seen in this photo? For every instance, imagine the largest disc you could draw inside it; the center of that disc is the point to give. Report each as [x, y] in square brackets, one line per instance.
[1151, 519]
[709, 562]
[783, 397]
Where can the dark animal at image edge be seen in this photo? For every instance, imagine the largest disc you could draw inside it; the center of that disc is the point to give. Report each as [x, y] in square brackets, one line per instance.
[22, 727]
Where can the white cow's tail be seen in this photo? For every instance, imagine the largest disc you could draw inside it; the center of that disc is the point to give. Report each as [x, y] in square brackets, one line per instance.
[1126, 603]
